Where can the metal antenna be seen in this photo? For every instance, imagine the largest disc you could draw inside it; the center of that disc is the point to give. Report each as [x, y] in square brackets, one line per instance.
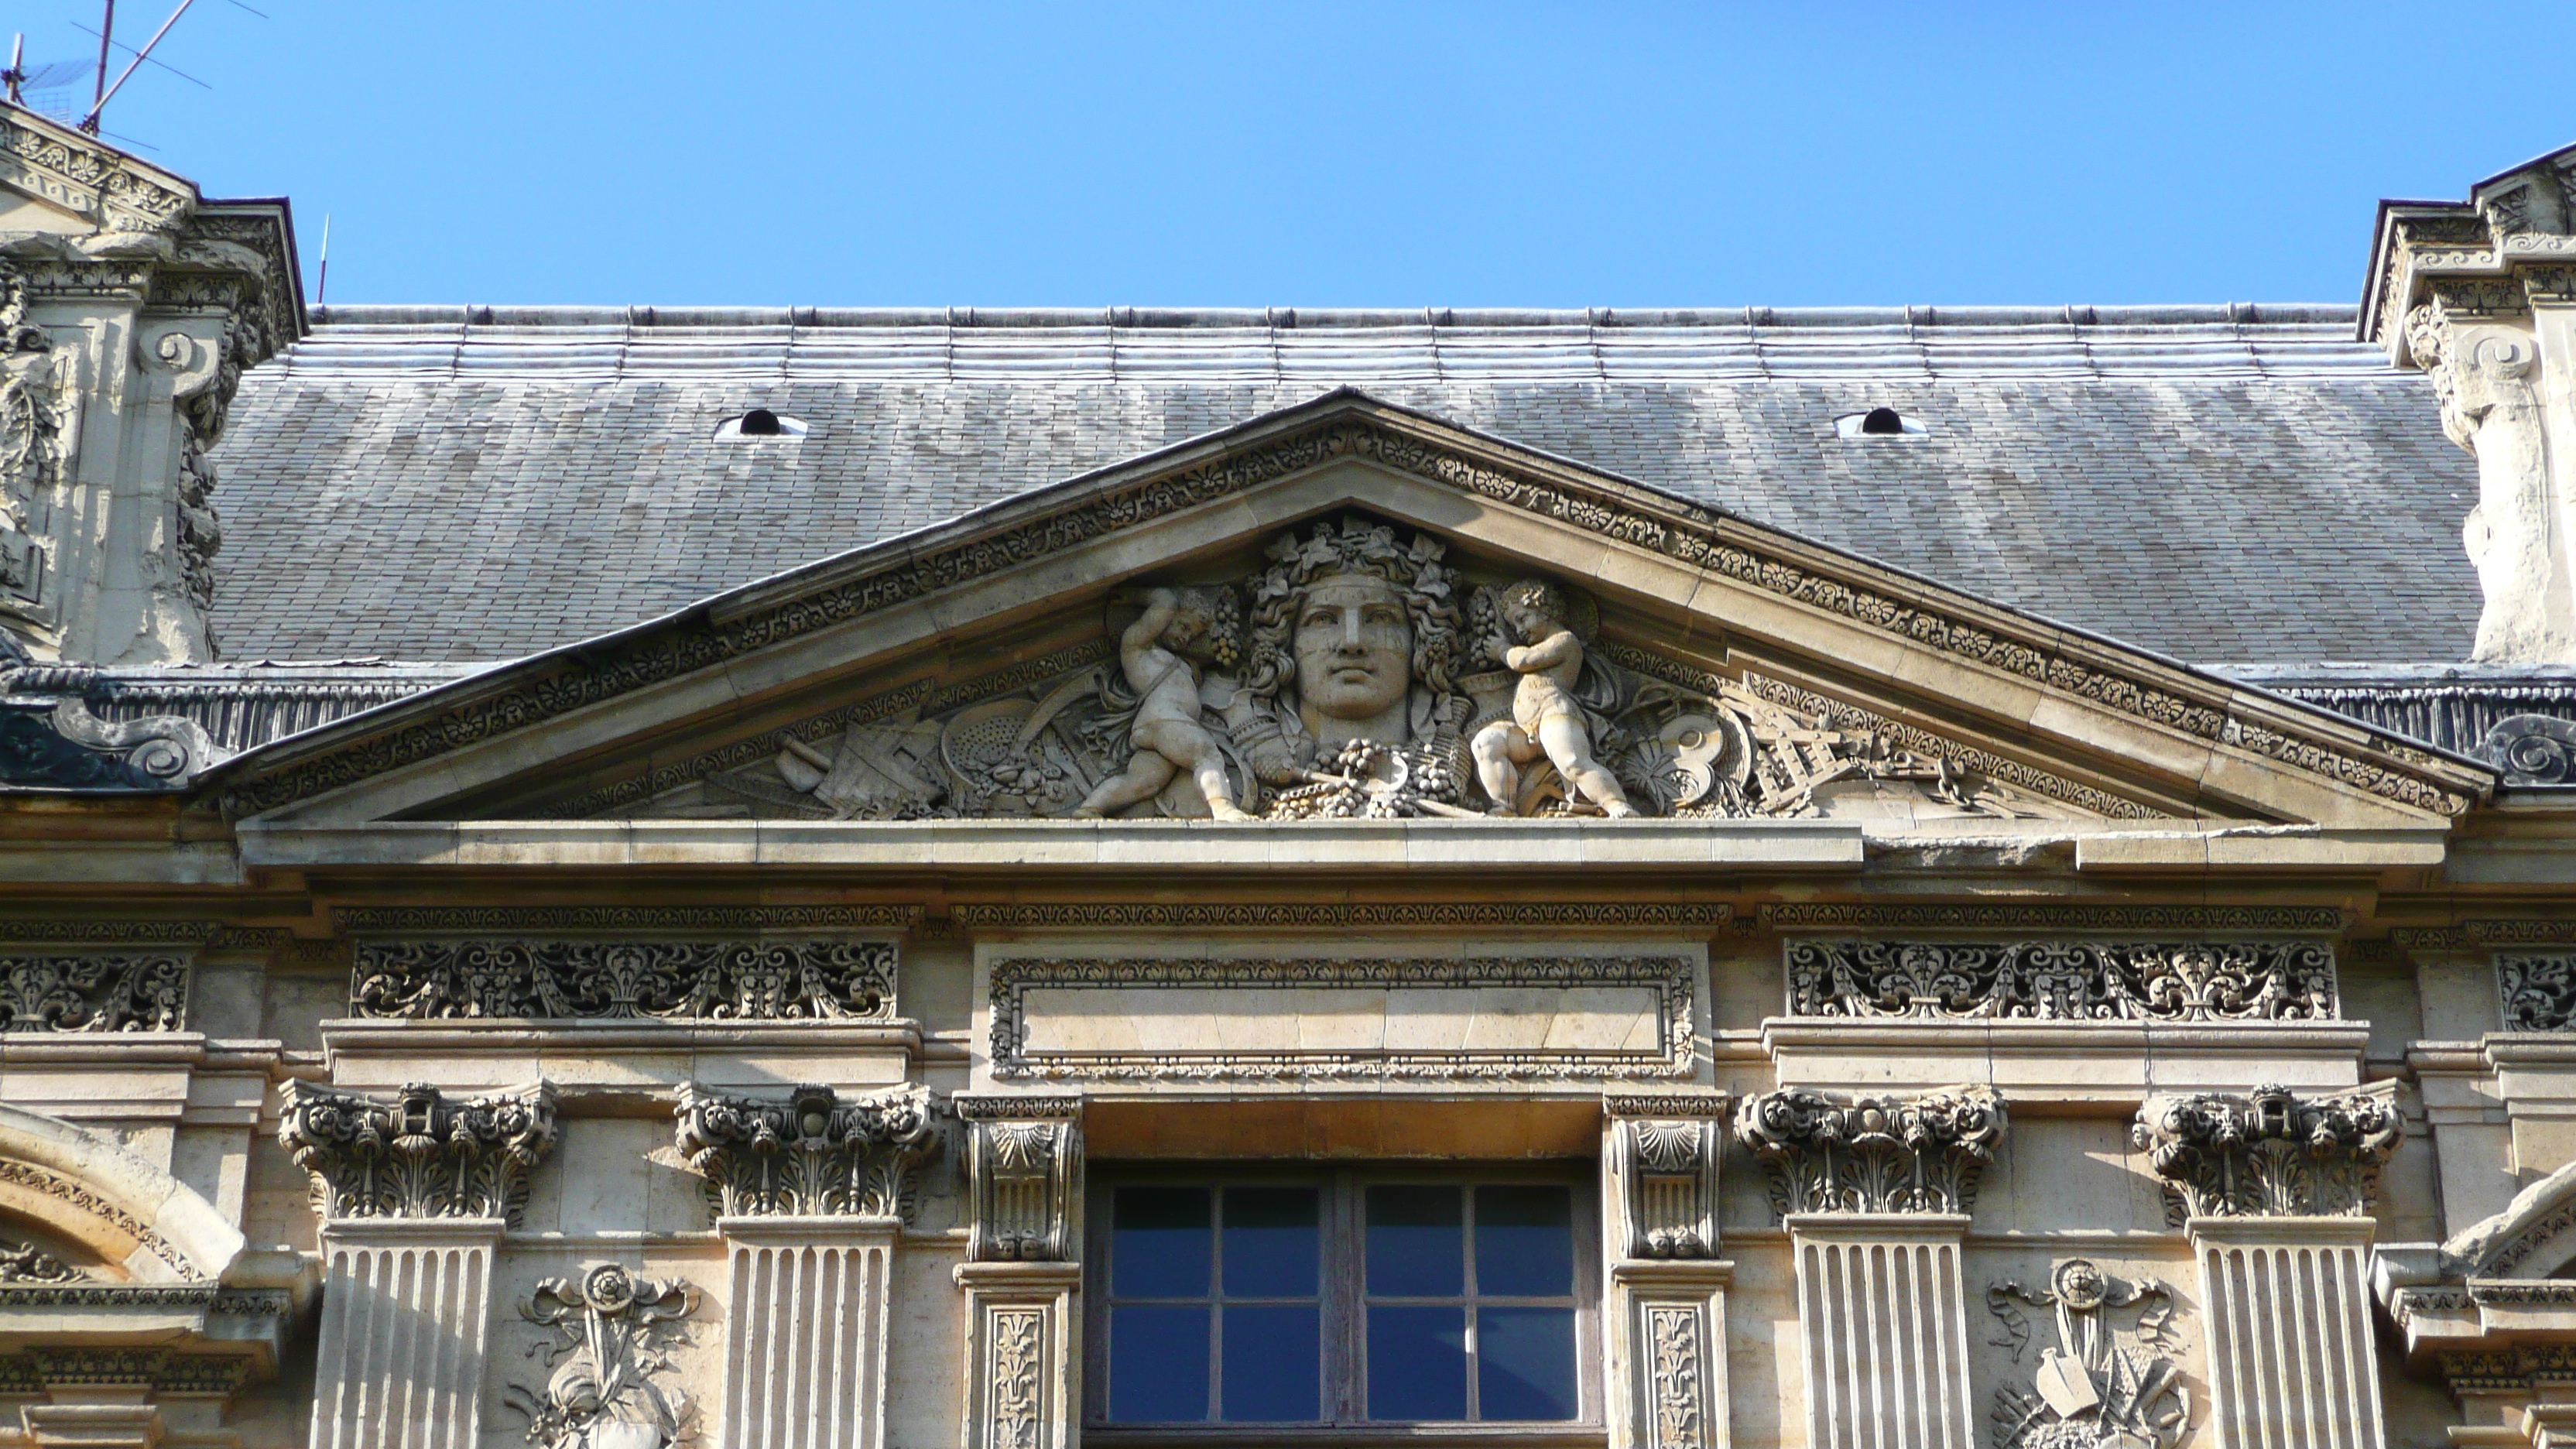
[17, 71]
[89, 123]
[322, 289]
[106, 35]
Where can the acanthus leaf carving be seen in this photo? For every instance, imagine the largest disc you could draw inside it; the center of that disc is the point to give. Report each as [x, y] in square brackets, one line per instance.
[811, 1152]
[2272, 1153]
[421, 1155]
[1024, 1166]
[2063, 980]
[1828, 1154]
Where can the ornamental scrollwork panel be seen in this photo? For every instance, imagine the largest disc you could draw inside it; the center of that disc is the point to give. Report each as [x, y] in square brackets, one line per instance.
[811, 1152]
[107, 991]
[2538, 993]
[2063, 980]
[421, 1155]
[795, 979]
[1830, 1154]
[2101, 1383]
[2272, 1153]
[611, 1358]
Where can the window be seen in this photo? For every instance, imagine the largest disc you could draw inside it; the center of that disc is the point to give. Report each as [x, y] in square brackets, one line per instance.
[761, 423]
[1362, 1298]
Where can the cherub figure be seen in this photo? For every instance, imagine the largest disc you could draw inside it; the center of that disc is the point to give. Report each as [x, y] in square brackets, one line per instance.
[1161, 653]
[1545, 720]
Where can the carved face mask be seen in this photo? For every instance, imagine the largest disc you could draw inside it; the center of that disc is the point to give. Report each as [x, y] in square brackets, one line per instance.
[1354, 647]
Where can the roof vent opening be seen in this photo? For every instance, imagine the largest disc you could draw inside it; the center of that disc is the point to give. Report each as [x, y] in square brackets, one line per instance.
[761, 423]
[1881, 422]
[1876, 420]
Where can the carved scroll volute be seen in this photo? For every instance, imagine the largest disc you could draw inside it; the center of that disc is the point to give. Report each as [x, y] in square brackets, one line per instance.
[1664, 1153]
[1024, 1156]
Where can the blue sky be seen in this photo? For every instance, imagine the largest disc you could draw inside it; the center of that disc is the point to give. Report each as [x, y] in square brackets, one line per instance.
[1388, 154]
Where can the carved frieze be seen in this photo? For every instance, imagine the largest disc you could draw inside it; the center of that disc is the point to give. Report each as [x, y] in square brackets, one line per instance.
[1024, 1165]
[764, 979]
[2273, 1153]
[2100, 1384]
[610, 1350]
[1830, 1154]
[27, 1263]
[104, 991]
[2538, 992]
[810, 1152]
[2063, 980]
[1623, 1016]
[1665, 1152]
[421, 1155]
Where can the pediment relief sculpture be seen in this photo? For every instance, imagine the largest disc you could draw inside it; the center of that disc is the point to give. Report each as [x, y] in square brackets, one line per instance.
[1363, 672]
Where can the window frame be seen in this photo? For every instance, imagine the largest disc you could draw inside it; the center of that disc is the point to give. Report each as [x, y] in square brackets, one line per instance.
[1343, 1299]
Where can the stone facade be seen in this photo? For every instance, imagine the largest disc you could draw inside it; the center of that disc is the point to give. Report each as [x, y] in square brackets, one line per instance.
[1351, 929]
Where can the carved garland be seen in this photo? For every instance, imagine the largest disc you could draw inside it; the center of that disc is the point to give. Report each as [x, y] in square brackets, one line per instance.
[2063, 981]
[758, 980]
[1669, 977]
[2390, 770]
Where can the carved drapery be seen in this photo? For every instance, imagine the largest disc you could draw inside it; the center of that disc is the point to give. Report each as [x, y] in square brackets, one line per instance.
[1025, 1160]
[811, 1153]
[116, 991]
[2063, 980]
[743, 980]
[1827, 1154]
[2270, 1154]
[422, 1155]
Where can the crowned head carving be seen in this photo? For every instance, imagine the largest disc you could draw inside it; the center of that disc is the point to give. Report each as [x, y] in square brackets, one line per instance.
[1355, 632]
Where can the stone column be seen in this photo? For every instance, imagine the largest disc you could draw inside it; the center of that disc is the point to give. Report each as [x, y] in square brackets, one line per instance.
[416, 1193]
[810, 1192]
[2277, 1187]
[1665, 1328]
[1022, 1274]
[1875, 1192]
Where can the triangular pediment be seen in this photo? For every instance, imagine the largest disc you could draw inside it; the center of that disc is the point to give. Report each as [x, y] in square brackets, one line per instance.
[994, 667]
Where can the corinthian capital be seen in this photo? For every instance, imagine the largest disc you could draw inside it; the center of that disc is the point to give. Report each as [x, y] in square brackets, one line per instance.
[1829, 1154]
[2271, 1154]
[421, 1155]
[811, 1151]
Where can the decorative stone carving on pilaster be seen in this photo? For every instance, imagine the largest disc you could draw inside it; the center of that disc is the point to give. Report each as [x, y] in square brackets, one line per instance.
[766, 979]
[2538, 993]
[35, 439]
[609, 1388]
[1025, 1165]
[2063, 980]
[1023, 1343]
[2270, 1154]
[1666, 1318]
[1828, 1154]
[422, 1155]
[811, 1152]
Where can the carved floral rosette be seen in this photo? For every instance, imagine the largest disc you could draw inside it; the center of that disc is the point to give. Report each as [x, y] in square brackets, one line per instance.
[1872, 1154]
[422, 1155]
[792, 979]
[2272, 1153]
[810, 1152]
[94, 991]
[2063, 980]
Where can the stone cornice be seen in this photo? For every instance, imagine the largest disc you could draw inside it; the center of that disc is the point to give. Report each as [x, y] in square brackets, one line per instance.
[1338, 915]
[619, 919]
[88, 177]
[1790, 916]
[1347, 427]
[2485, 255]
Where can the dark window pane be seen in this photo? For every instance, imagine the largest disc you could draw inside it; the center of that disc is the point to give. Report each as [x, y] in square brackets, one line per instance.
[1158, 1364]
[1524, 1363]
[1417, 1362]
[1270, 1242]
[1524, 1241]
[1160, 1245]
[1273, 1356]
[1417, 1244]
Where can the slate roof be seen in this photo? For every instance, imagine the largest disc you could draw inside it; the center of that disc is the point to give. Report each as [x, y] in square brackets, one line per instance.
[2222, 484]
